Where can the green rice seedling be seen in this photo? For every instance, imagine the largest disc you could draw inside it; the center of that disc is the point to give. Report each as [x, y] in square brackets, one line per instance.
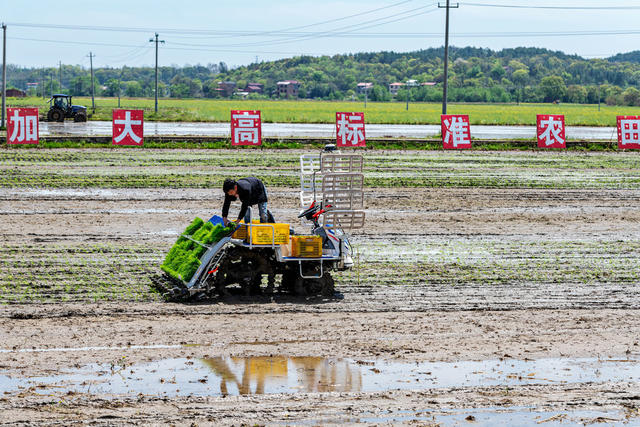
[217, 232]
[199, 251]
[201, 234]
[175, 250]
[194, 226]
[183, 259]
[188, 268]
[178, 260]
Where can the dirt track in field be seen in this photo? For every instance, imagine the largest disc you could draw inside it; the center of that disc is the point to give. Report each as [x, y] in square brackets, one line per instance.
[445, 275]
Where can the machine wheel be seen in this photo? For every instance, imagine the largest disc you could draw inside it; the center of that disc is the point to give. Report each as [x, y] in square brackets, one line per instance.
[55, 115]
[243, 267]
[80, 117]
[322, 286]
[293, 283]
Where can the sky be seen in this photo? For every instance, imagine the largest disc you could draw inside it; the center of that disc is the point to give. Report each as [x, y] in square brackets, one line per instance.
[117, 32]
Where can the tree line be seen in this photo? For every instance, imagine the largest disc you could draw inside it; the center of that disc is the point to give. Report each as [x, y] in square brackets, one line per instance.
[475, 75]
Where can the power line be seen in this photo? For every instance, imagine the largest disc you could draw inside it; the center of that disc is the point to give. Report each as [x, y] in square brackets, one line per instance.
[366, 35]
[272, 33]
[132, 57]
[281, 32]
[72, 42]
[192, 31]
[171, 48]
[133, 51]
[329, 34]
[549, 33]
[513, 6]
[335, 31]
[263, 33]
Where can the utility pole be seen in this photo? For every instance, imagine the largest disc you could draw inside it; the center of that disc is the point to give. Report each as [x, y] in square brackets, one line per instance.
[407, 109]
[446, 55]
[156, 41]
[120, 85]
[521, 97]
[366, 91]
[409, 85]
[4, 73]
[42, 78]
[60, 75]
[51, 83]
[93, 86]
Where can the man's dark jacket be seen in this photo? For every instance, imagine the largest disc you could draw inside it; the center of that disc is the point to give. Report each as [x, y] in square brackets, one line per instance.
[251, 191]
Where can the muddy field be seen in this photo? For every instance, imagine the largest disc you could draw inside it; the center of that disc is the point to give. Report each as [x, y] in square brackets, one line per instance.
[492, 288]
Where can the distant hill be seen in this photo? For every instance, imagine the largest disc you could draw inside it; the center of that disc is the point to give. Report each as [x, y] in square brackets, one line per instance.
[626, 57]
[476, 75]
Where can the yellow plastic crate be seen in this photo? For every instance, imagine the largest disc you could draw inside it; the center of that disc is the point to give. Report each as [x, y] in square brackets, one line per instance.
[306, 246]
[263, 234]
[241, 233]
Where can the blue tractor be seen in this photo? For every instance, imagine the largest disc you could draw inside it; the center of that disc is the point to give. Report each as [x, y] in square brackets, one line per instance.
[60, 107]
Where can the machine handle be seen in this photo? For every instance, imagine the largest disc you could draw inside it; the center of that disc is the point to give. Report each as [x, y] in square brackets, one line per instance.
[311, 209]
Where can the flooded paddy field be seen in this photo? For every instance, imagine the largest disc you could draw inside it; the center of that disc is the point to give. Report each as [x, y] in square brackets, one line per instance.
[314, 130]
[497, 288]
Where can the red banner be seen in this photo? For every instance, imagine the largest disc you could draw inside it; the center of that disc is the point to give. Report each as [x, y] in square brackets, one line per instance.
[246, 127]
[629, 132]
[350, 130]
[456, 132]
[550, 131]
[128, 127]
[22, 125]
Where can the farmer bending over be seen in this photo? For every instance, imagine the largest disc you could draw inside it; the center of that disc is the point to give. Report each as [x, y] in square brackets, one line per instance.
[251, 192]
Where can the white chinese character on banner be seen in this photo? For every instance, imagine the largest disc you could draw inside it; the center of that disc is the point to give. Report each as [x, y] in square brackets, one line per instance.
[246, 129]
[18, 127]
[630, 131]
[25, 128]
[552, 131]
[457, 130]
[127, 122]
[350, 128]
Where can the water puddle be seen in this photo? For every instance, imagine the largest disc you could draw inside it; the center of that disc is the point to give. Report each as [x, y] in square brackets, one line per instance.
[101, 128]
[280, 374]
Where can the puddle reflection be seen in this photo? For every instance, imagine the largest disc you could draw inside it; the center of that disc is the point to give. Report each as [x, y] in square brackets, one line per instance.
[259, 375]
[281, 374]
